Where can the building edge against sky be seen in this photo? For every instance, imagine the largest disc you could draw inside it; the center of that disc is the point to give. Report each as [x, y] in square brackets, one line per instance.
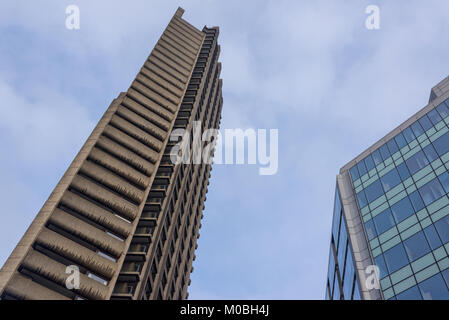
[124, 215]
[394, 204]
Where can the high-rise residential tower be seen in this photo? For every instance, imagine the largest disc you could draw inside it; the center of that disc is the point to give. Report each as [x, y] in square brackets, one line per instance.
[391, 212]
[124, 214]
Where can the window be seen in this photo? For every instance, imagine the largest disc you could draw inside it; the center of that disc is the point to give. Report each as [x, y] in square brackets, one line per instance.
[392, 146]
[434, 288]
[376, 157]
[400, 141]
[354, 173]
[384, 152]
[390, 180]
[417, 129]
[380, 263]
[425, 123]
[417, 162]
[410, 294]
[430, 152]
[444, 179]
[336, 295]
[443, 110]
[408, 134]
[361, 167]
[403, 171]
[369, 163]
[417, 202]
[442, 227]
[402, 210]
[431, 191]
[416, 246]
[348, 280]
[396, 258]
[432, 237]
[373, 191]
[370, 229]
[434, 116]
[383, 221]
[361, 199]
[442, 144]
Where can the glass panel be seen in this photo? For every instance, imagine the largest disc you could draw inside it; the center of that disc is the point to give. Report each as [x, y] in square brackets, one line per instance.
[408, 134]
[443, 110]
[444, 179]
[361, 199]
[434, 288]
[417, 129]
[383, 221]
[370, 230]
[354, 173]
[434, 116]
[376, 157]
[410, 294]
[403, 171]
[442, 227]
[380, 263]
[392, 146]
[416, 162]
[442, 144]
[361, 167]
[402, 209]
[417, 202]
[431, 191]
[336, 295]
[400, 141]
[390, 180]
[425, 123]
[384, 152]
[369, 162]
[430, 152]
[373, 191]
[416, 246]
[432, 237]
[348, 280]
[396, 258]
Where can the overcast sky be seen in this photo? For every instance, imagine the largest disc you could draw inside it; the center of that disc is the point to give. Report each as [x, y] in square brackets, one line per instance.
[308, 68]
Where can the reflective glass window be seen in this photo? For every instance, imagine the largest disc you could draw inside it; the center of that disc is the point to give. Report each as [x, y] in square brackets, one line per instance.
[425, 123]
[373, 191]
[402, 209]
[410, 294]
[434, 288]
[442, 227]
[403, 171]
[408, 134]
[443, 110]
[390, 180]
[396, 258]
[416, 246]
[432, 237]
[417, 129]
[416, 162]
[431, 191]
[434, 116]
[416, 200]
[370, 229]
[442, 144]
[383, 221]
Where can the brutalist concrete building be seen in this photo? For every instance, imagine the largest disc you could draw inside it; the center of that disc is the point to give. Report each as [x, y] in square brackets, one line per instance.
[123, 213]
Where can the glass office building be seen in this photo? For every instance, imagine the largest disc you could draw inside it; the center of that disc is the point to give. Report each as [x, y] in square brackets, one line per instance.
[392, 211]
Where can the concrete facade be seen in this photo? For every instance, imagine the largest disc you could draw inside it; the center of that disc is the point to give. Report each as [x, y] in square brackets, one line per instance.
[123, 213]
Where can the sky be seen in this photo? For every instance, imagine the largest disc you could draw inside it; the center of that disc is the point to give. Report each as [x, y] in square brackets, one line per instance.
[310, 69]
